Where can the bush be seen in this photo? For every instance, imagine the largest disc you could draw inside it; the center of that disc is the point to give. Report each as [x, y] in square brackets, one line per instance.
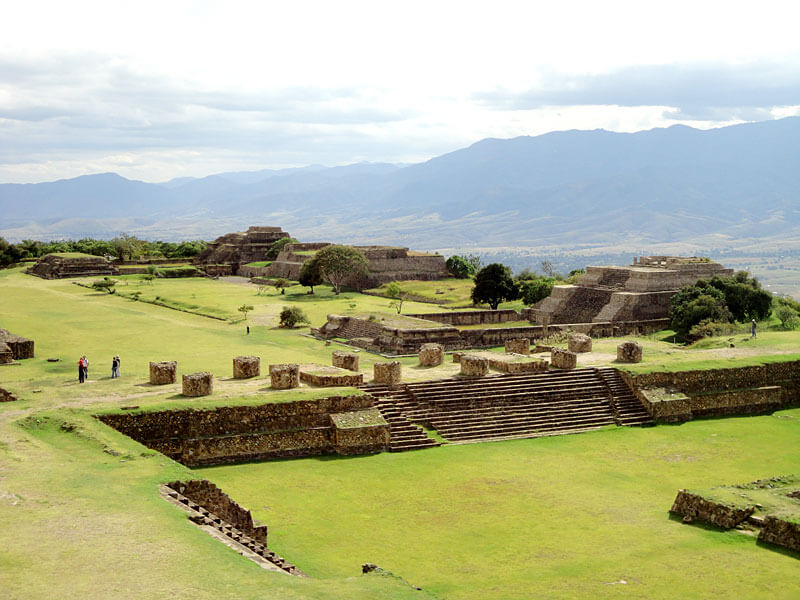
[291, 316]
[695, 303]
[787, 315]
[536, 289]
[462, 267]
[187, 271]
[707, 328]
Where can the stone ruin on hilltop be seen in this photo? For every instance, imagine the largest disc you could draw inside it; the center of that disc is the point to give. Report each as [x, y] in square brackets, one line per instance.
[227, 253]
[386, 263]
[641, 291]
[59, 266]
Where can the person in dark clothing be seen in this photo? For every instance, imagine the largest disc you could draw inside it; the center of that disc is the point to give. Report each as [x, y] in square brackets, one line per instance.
[753, 329]
[115, 367]
[81, 376]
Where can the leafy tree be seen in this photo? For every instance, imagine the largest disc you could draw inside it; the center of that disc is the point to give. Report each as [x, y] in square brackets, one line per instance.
[291, 316]
[106, 285]
[536, 289]
[244, 309]
[275, 247]
[310, 274]
[744, 296]
[493, 285]
[397, 294]
[281, 284]
[787, 314]
[573, 275]
[695, 303]
[461, 267]
[548, 269]
[127, 247]
[339, 263]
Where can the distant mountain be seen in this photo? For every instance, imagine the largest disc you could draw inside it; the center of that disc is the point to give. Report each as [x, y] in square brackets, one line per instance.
[562, 189]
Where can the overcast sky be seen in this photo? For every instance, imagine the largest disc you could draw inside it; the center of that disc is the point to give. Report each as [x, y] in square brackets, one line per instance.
[156, 90]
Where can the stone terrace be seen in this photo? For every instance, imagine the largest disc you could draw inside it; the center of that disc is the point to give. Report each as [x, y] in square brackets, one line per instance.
[59, 266]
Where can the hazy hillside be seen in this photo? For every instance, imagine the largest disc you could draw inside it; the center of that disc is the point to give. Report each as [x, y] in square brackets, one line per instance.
[569, 189]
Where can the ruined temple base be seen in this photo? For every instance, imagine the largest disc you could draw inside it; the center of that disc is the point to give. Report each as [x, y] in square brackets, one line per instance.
[345, 360]
[329, 376]
[164, 372]
[387, 373]
[284, 377]
[198, 384]
[431, 355]
[629, 352]
[245, 367]
[507, 363]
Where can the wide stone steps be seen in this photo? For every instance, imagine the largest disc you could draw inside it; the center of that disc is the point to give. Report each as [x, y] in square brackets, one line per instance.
[404, 435]
[625, 403]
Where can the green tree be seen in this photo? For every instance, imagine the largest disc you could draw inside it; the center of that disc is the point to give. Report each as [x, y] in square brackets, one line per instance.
[275, 247]
[493, 285]
[106, 285]
[338, 263]
[536, 289]
[397, 294]
[127, 247]
[695, 303]
[291, 316]
[786, 314]
[281, 284]
[310, 274]
[244, 309]
[461, 267]
[744, 296]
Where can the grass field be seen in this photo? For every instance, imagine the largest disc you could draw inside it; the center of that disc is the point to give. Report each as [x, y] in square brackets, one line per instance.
[556, 517]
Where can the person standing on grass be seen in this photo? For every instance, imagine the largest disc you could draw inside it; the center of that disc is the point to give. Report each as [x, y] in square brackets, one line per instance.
[753, 329]
[115, 367]
[81, 376]
[85, 368]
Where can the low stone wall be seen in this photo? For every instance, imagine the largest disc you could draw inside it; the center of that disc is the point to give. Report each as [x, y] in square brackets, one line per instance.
[779, 532]
[471, 317]
[325, 376]
[242, 433]
[356, 438]
[214, 500]
[162, 373]
[696, 508]
[20, 347]
[473, 366]
[518, 346]
[345, 360]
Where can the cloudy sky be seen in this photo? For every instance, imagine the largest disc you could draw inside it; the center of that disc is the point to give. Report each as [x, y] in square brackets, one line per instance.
[156, 90]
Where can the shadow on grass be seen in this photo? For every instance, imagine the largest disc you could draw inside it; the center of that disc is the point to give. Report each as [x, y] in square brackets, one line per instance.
[778, 549]
[699, 524]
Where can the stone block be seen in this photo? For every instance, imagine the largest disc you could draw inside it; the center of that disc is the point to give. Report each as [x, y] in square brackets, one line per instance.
[387, 373]
[285, 376]
[563, 359]
[245, 367]
[198, 384]
[474, 366]
[457, 356]
[629, 352]
[431, 355]
[345, 360]
[518, 346]
[163, 372]
[579, 342]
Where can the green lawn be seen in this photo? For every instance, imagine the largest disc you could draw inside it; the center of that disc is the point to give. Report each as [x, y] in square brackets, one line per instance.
[560, 517]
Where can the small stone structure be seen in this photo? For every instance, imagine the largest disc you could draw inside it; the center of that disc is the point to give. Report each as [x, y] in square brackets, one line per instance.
[14, 347]
[6, 396]
[629, 352]
[325, 376]
[285, 376]
[387, 373]
[780, 532]
[72, 264]
[431, 355]
[474, 366]
[345, 360]
[693, 507]
[563, 359]
[224, 255]
[245, 367]
[198, 384]
[518, 346]
[163, 372]
[579, 342]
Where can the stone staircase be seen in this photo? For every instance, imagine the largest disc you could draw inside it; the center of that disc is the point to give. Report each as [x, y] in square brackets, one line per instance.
[628, 409]
[499, 407]
[399, 409]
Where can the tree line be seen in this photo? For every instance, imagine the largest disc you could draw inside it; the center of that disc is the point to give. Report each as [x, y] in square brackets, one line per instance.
[125, 247]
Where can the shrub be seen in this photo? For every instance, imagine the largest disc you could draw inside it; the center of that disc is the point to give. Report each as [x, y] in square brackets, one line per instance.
[291, 316]
[187, 271]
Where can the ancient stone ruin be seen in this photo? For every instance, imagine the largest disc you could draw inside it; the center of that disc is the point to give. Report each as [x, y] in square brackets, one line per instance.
[198, 384]
[72, 264]
[224, 255]
[579, 342]
[284, 377]
[563, 359]
[164, 372]
[387, 373]
[345, 360]
[474, 366]
[14, 347]
[325, 376]
[431, 355]
[518, 346]
[638, 292]
[245, 367]
[386, 263]
[629, 352]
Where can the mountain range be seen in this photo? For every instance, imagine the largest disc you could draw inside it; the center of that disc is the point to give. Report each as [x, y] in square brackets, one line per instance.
[676, 187]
